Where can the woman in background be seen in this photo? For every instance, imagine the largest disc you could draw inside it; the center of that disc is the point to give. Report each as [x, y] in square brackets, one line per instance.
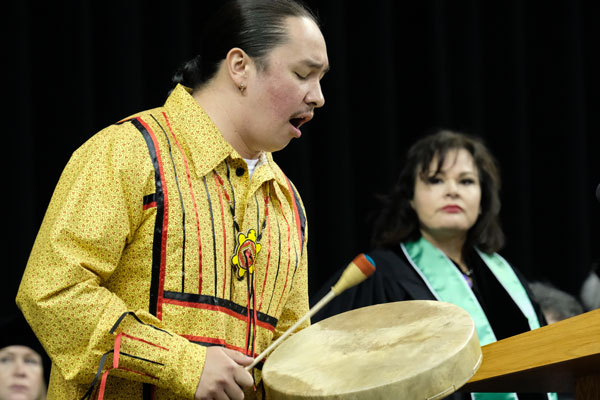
[436, 237]
[23, 362]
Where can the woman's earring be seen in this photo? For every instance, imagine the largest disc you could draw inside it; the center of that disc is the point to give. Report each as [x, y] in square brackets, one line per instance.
[242, 87]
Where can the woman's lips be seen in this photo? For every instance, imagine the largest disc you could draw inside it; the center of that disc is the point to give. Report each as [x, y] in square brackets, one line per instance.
[452, 209]
[19, 389]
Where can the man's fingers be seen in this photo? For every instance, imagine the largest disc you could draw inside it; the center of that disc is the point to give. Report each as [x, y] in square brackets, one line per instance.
[234, 392]
[221, 395]
[243, 378]
[238, 357]
[224, 375]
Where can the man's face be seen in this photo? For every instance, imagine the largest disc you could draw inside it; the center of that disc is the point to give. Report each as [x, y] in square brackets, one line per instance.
[283, 96]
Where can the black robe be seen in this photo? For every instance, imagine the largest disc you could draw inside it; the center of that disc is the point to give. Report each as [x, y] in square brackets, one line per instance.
[396, 280]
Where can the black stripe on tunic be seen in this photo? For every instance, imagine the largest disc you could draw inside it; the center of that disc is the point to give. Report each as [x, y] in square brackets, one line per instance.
[212, 223]
[158, 225]
[242, 311]
[180, 203]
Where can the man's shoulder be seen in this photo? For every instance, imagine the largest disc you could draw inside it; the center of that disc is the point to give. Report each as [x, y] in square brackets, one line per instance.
[123, 142]
[144, 117]
[125, 130]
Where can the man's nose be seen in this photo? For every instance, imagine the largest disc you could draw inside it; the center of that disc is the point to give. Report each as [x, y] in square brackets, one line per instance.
[315, 96]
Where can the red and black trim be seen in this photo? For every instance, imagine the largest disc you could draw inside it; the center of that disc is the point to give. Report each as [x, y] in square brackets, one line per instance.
[181, 204]
[298, 214]
[117, 353]
[217, 303]
[214, 241]
[195, 208]
[149, 201]
[278, 263]
[161, 223]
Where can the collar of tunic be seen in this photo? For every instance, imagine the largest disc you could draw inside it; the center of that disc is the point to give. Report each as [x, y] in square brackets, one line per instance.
[203, 139]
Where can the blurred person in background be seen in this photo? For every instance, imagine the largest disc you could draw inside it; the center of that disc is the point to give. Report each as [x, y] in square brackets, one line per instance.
[23, 362]
[437, 235]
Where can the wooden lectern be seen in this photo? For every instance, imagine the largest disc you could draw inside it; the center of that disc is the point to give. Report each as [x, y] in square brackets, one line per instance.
[562, 357]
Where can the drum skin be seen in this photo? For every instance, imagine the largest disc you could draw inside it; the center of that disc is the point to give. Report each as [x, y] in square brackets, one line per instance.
[420, 349]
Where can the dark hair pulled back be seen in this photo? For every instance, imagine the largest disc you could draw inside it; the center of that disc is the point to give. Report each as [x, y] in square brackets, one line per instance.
[255, 26]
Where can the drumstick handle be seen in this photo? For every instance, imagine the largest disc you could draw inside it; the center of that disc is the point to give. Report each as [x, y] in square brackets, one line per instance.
[357, 271]
[293, 328]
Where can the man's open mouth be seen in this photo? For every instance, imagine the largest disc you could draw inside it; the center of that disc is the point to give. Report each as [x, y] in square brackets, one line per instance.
[300, 120]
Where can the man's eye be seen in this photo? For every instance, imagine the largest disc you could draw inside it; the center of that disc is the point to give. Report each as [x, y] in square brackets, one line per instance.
[300, 76]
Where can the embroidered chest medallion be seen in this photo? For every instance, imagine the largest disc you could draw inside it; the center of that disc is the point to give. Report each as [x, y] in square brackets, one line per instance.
[244, 256]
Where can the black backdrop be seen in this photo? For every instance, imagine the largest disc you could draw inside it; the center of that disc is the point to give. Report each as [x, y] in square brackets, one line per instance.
[521, 74]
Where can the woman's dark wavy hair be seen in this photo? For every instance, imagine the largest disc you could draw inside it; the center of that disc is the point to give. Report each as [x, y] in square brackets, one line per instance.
[255, 26]
[396, 221]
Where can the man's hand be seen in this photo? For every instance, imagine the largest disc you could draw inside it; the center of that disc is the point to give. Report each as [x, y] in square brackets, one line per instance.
[224, 376]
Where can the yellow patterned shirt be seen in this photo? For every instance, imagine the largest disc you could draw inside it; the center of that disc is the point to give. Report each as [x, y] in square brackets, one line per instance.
[133, 272]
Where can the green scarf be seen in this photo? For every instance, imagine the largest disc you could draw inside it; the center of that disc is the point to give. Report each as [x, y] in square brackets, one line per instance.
[447, 284]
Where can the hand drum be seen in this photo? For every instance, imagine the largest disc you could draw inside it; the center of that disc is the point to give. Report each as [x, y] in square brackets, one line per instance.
[417, 349]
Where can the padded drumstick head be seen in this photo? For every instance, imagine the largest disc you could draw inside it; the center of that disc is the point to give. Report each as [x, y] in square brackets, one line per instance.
[357, 271]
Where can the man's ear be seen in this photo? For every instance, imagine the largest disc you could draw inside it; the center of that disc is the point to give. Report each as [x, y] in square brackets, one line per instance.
[238, 62]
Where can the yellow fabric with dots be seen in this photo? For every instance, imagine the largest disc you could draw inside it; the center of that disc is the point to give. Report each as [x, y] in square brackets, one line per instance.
[133, 259]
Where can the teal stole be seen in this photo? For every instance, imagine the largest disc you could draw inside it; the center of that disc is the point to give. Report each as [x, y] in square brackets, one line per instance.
[447, 284]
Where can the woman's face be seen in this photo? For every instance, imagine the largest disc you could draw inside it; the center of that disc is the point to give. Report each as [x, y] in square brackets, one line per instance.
[21, 374]
[448, 203]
